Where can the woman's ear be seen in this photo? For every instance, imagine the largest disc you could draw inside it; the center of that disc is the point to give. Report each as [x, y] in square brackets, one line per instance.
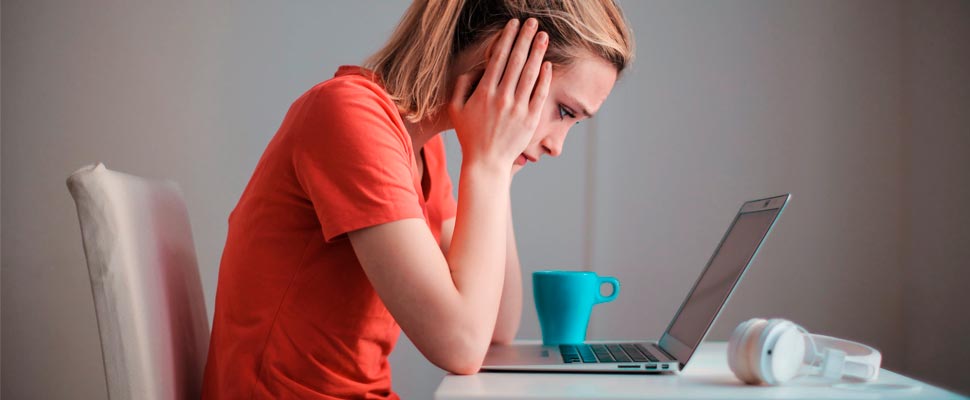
[486, 55]
[491, 45]
[488, 49]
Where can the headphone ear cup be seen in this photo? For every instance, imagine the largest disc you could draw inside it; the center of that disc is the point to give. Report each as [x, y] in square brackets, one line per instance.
[734, 344]
[751, 350]
[740, 359]
[787, 354]
[762, 349]
[771, 356]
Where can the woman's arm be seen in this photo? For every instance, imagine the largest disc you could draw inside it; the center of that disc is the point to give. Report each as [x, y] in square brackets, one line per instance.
[448, 304]
[510, 308]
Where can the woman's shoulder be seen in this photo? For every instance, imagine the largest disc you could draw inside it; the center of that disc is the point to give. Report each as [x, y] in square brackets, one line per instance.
[351, 85]
[350, 107]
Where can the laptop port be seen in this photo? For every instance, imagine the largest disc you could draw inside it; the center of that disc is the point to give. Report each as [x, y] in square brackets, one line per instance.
[651, 367]
[628, 366]
[665, 366]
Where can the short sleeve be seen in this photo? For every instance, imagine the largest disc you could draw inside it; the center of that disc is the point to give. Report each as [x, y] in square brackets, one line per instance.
[442, 199]
[353, 158]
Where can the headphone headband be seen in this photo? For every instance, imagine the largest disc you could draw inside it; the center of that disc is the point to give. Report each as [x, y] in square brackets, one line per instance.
[860, 361]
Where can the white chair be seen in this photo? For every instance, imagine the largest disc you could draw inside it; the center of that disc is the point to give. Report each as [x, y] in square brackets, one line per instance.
[145, 280]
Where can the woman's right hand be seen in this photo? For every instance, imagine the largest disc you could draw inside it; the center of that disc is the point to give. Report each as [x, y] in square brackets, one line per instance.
[497, 122]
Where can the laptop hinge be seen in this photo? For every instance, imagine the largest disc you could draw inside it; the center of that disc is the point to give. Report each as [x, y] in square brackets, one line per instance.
[664, 352]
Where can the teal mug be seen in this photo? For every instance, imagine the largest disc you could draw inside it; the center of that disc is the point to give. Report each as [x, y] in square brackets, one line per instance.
[564, 301]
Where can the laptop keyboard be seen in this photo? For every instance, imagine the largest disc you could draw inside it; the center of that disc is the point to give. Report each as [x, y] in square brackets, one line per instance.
[605, 353]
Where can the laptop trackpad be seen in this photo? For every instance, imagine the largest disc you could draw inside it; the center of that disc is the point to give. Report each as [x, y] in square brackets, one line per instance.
[521, 354]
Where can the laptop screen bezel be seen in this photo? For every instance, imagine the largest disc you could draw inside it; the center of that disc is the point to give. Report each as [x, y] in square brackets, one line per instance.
[682, 352]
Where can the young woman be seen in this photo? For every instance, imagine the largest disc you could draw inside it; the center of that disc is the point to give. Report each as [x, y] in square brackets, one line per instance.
[348, 233]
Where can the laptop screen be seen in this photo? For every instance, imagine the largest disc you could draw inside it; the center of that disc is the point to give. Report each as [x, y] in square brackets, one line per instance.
[724, 270]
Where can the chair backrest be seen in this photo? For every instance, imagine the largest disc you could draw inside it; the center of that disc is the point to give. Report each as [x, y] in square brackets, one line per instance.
[145, 281]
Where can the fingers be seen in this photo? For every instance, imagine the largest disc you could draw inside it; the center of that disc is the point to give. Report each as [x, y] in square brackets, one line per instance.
[542, 88]
[518, 56]
[531, 71]
[500, 53]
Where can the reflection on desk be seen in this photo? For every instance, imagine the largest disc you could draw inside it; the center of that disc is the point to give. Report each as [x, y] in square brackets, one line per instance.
[707, 376]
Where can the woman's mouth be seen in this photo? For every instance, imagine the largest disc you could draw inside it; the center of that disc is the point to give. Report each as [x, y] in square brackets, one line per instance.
[521, 160]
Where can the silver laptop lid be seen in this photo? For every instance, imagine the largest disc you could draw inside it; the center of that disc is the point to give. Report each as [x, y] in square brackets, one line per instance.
[722, 274]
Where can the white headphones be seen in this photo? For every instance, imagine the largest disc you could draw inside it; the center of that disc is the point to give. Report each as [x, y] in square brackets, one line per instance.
[777, 350]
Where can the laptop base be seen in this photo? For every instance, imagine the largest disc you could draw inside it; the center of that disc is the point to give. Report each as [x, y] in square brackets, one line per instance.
[539, 358]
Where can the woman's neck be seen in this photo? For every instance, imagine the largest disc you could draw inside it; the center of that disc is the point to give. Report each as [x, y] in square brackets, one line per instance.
[422, 131]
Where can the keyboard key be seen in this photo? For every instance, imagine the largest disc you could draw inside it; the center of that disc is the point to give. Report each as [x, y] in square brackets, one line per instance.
[634, 352]
[602, 354]
[586, 354]
[647, 353]
[618, 354]
[569, 354]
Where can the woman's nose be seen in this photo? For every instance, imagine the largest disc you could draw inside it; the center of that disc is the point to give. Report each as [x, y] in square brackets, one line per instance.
[552, 143]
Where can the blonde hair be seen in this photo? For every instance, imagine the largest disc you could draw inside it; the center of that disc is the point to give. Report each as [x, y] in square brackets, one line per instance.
[414, 64]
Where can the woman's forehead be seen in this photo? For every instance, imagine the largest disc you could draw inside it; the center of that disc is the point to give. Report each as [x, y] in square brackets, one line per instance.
[587, 81]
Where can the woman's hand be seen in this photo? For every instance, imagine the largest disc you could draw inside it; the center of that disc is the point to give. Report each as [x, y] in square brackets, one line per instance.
[497, 122]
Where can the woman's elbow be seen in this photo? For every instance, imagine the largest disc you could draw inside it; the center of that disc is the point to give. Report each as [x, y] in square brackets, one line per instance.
[463, 358]
[461, 364]
[465, 369]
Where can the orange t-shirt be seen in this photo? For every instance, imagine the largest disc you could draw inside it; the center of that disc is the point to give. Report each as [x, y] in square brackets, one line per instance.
[295, 314]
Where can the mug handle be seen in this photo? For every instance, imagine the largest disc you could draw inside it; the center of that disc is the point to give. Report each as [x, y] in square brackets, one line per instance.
[600, 280]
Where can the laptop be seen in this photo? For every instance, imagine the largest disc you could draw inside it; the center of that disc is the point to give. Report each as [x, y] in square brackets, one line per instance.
[687, 329]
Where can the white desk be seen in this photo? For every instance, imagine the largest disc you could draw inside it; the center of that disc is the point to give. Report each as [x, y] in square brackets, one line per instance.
[707, 376]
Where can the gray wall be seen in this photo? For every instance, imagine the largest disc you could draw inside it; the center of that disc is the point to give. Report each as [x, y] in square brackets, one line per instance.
[1, 197]
[857, 108]
[937, 168]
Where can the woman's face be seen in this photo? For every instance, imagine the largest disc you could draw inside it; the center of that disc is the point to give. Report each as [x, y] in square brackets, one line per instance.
[575, 94]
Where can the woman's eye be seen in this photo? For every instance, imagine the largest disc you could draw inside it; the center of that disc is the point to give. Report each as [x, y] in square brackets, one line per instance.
[564, 112]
